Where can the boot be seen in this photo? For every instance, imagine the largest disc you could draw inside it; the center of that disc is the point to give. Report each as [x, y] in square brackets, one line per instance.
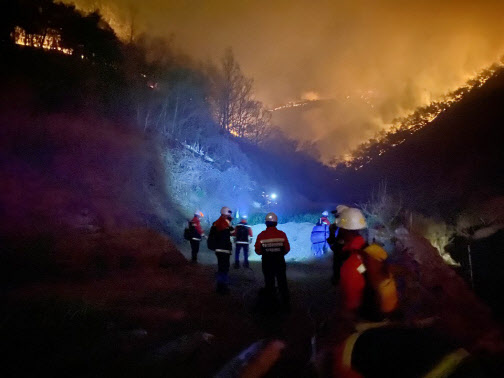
[237, 265]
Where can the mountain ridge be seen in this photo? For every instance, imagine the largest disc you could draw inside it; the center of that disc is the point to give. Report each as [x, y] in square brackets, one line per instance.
[451, 163]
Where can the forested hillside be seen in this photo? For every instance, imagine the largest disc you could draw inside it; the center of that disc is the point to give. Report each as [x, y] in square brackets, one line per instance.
[442, 166]
[152, 127]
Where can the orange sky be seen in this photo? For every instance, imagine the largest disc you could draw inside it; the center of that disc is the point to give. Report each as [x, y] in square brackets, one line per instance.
[397, 54]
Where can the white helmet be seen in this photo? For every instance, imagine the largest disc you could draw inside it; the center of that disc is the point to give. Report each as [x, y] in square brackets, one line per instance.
[351, 219]
[325, 213]
[271, 217]
[226, 211]
[340, 208]
[199, 214]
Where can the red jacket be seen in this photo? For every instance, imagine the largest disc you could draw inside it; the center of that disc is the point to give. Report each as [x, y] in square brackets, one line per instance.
[272, 241]
[352, 279]
[325, 220]
[222, 223]
[197, 225]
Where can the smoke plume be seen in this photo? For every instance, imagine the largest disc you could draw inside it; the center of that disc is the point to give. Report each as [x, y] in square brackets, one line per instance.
[376, 59]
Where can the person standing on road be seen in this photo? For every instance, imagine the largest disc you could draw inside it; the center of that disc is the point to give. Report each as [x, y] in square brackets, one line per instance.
[353, 278]
[219, 240]
[272, 245]
[319, 235]
[197, 234]
[324, 218]
[336, 242]
[367, 285]
[243, 236]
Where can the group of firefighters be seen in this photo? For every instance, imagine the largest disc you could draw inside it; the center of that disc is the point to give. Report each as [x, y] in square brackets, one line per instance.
[368, 290]
[358, 267]
[272, 244]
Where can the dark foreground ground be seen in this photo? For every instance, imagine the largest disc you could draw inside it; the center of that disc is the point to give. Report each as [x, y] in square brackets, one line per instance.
[169, 322]
[158, 322]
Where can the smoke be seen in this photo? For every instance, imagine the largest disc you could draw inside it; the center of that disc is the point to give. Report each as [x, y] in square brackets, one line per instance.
[310, 96]
[377, 60]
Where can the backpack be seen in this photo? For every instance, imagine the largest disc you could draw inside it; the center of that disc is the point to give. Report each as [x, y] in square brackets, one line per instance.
[242, 233]
[189, 231]
[212, 238]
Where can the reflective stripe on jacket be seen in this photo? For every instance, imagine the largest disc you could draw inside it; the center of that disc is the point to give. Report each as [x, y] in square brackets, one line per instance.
[272, 241]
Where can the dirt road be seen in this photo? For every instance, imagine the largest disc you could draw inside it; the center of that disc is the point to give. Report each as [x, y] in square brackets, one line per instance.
[150, 321]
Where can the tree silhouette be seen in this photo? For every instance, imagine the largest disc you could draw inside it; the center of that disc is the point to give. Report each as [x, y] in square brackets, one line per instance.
[232, 98]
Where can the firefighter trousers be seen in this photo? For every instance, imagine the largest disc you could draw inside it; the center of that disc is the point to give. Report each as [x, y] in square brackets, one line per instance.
[194, 249]
[222, 270]
[274, 267]
[245, 249]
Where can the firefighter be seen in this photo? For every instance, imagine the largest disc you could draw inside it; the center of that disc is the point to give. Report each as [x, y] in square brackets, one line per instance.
[320, 234]
[219, 240]
[272, 245]
[367, 284]
[353, 281]
[335, 241]
[243, 237]
[324, 218]
[197, 234]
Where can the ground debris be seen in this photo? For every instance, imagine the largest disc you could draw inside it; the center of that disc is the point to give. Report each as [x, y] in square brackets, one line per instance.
[183, 347]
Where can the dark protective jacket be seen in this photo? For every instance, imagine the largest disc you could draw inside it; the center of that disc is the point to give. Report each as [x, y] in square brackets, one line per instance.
[223, 230]
[272, 242]
[334, 240]
[242, 233]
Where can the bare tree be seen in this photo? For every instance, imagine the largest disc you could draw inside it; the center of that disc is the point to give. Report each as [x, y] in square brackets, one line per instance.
[232, 97]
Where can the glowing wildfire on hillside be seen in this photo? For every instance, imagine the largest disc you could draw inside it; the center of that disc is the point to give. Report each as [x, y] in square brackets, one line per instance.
[402, 127]
[51, 40]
